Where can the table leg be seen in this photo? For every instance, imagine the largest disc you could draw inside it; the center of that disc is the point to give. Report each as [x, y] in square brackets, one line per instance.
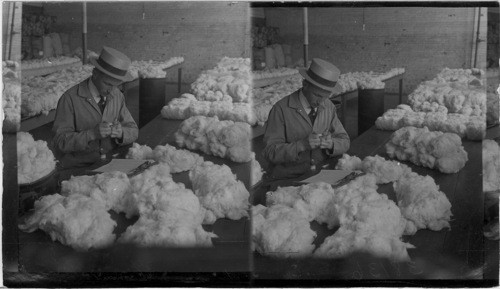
[179, 79]
[10, 198]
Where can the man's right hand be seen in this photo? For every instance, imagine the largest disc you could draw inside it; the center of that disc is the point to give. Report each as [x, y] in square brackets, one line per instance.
[314, 140]
[103, 130]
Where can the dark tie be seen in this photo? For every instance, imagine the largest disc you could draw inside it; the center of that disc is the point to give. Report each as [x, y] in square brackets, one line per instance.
[312, 115]
[102, 103]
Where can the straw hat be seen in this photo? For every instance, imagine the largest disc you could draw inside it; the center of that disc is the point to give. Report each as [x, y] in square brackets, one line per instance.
[322, 74]
[113, 63]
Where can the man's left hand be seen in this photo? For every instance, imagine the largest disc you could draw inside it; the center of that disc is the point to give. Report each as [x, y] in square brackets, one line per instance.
[326, 141]
[116, 130]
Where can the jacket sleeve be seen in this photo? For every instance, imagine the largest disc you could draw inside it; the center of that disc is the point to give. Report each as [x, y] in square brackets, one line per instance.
[277, 150]
[129, 127]
[341, 141]
[66, 138]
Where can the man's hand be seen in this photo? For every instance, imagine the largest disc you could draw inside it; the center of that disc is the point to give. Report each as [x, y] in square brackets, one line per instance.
[103, 129]
[326, 141]
[314, 140]
[116, 130]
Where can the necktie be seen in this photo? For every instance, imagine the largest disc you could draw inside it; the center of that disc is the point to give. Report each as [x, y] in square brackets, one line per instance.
[312, 115]
[102, 103]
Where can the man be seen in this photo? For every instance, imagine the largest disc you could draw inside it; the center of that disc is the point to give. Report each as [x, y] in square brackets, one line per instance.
[91, 117]
[303, 129]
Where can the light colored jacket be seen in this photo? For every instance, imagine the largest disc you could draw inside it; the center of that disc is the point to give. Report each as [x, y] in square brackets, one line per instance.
[78, 114]
[287, 130]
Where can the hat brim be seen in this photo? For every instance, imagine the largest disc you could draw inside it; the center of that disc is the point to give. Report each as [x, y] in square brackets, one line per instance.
[125, 78]
[334, 90]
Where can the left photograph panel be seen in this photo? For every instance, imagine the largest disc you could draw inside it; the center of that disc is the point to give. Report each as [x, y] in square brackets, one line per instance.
[131, 123]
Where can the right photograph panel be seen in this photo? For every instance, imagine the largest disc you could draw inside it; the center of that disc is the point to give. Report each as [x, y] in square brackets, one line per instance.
[378, 139]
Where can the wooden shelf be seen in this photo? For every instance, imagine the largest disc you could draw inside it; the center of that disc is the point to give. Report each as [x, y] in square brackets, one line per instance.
[135, 82]
[30, 123]
[48, 70]
[257, 131]
[269, 81]
[178, 65]
[130, 84]
[397, 76]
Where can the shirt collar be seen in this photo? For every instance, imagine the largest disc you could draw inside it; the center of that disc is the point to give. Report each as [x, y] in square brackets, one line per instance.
[296, 103]
[305, 103]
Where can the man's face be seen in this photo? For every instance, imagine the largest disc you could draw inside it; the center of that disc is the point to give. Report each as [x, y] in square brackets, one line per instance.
[314, 95]
[104, 83]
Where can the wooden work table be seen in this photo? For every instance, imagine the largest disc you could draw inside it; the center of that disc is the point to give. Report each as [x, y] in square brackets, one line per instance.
[456, 253]
[231, 251]
[447, 254]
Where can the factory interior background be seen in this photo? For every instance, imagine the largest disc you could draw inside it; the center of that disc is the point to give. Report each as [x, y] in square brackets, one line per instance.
[419, 93]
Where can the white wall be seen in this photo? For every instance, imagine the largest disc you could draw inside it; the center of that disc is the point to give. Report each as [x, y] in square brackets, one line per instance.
[421, 39]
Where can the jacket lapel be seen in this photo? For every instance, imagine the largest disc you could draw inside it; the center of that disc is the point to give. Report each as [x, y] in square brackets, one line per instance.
[294, 103]
[84, 92]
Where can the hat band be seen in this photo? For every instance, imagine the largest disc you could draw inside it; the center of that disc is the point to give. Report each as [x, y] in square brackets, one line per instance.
[111, 68]
[320, 79]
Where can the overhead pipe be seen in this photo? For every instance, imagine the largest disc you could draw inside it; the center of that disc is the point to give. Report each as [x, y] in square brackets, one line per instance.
[477, 34]
[12, 7]
[84, 34]
[7, 33]
[306, 37]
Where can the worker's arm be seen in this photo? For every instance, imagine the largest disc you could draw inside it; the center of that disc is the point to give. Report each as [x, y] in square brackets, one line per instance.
[339, 138]
[128, 125]
[277, 150]
[66, 138]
